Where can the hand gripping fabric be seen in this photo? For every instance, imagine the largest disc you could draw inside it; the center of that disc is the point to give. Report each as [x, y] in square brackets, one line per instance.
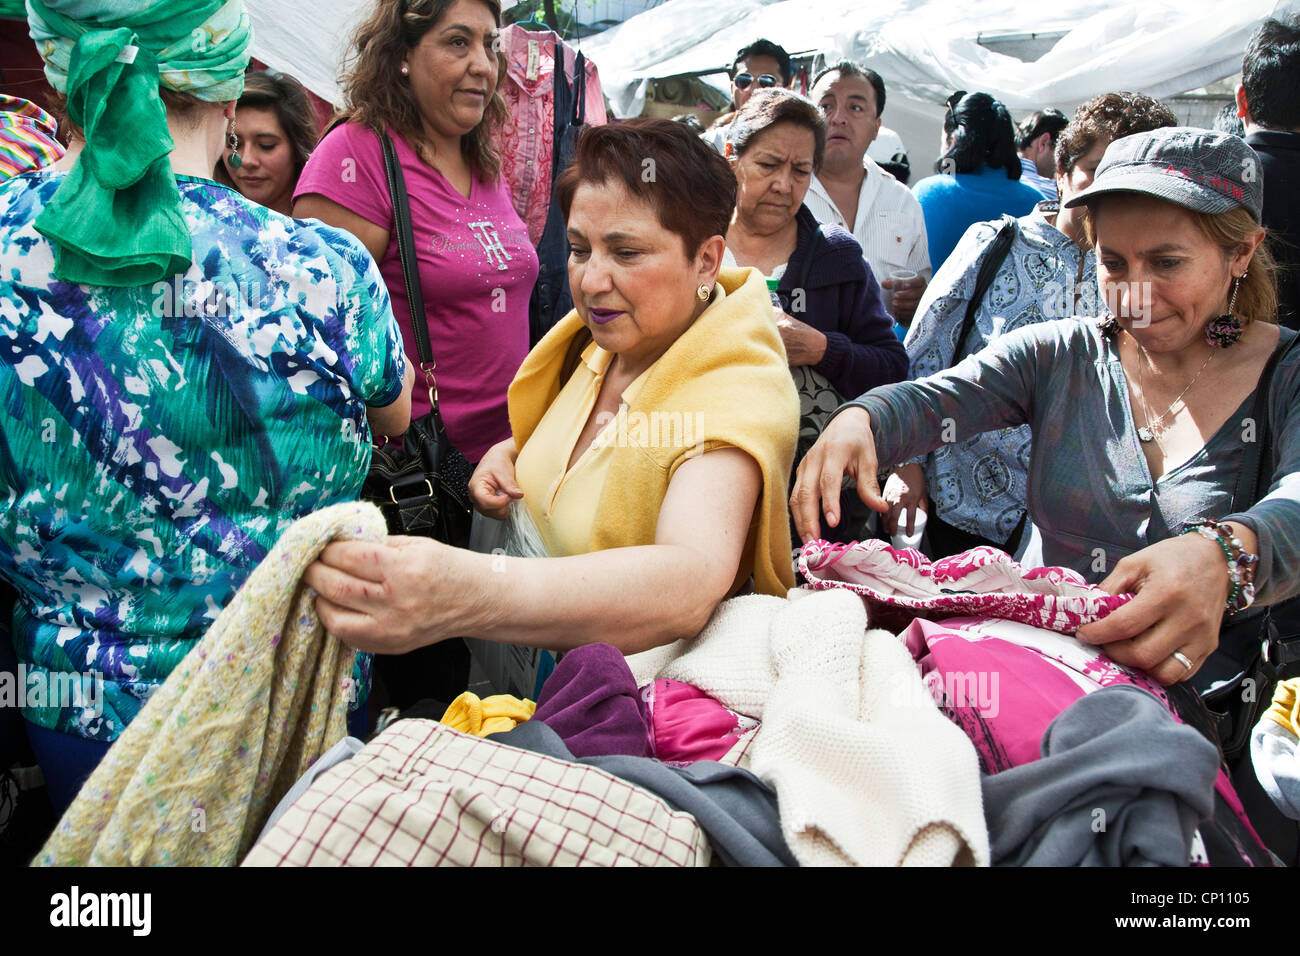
[245, 714]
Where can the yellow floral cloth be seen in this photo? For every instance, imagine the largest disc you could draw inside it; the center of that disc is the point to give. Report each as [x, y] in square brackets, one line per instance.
[194, 777]
[491, 715]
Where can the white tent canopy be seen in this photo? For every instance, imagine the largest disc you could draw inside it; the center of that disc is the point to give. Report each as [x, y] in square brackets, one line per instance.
[927, 48]
[924, 48]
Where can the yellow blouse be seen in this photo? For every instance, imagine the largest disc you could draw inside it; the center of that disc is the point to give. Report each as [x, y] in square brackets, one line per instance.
[562, 500]
[723, 383]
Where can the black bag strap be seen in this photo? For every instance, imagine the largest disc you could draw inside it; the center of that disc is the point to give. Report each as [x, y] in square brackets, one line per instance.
[410, 270]
[1253, 479]
[579, 89]
[1252, 485]
[997, 253]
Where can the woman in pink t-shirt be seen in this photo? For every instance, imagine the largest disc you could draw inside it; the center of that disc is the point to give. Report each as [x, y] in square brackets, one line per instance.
[428, 72]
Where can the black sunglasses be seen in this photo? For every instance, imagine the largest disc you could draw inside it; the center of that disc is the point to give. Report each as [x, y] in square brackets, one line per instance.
[743, 80]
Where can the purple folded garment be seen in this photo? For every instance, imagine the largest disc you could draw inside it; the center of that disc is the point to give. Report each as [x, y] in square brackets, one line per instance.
[591, 701]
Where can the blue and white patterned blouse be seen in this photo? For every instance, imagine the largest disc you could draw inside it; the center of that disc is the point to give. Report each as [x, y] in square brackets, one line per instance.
[157, 440]
[977, 483]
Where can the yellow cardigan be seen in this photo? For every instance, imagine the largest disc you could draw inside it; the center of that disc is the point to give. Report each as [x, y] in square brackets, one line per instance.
[729, 372]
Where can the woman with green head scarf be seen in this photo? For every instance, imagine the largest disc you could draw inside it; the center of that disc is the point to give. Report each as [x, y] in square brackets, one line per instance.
[183, 373]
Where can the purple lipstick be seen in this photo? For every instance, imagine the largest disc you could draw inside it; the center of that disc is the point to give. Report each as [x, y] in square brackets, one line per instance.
[604, 316]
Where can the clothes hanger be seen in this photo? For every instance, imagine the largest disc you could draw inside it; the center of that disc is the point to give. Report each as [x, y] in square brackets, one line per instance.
[532, 23]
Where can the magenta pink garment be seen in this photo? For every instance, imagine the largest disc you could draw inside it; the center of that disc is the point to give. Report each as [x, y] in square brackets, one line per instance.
[528, 137]
[982, 581]
[1003, 682]
[477, 269]
[688, 725]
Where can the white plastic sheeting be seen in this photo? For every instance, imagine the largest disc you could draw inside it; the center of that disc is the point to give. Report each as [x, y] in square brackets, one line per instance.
[306, 39]
[927, 48]
[924, 48]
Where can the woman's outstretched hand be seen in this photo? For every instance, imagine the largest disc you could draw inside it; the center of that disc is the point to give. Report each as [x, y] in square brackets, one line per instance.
[1180, 586]
[846, 447]
[393, 596]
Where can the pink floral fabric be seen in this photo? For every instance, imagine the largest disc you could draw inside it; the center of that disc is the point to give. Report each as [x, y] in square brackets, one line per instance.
[898, 584]
[1003, 683]
[527, 140]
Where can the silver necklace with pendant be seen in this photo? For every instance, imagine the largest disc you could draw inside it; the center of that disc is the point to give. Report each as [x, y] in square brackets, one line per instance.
[1153, 429]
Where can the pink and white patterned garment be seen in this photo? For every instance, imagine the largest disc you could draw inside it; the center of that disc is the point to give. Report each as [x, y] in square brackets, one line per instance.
[1003, 683]
[527, 139]
[982, 581]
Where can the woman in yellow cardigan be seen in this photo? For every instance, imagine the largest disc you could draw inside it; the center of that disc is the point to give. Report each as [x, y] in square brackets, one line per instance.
[653, 430]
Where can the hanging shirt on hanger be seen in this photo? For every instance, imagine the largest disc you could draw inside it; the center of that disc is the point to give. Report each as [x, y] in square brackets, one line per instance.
[528, 137]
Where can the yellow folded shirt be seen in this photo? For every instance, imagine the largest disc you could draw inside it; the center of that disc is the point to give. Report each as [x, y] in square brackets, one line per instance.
[1286, 705]
[491, 715]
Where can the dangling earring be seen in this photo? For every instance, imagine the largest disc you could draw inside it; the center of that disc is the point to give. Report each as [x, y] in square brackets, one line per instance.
[1108, 325]
[232, 140]
[703, 292]
[1226, 329]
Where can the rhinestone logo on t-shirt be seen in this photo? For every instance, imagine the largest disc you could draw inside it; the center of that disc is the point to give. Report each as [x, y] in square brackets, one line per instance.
[486, 233]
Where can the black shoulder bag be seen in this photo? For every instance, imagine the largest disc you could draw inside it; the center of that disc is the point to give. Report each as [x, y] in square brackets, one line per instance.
[1268, 643]
[421, 486]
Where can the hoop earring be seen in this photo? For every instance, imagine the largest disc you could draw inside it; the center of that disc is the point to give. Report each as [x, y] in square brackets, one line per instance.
[703, 292]
[232, 140]
[1224, 331]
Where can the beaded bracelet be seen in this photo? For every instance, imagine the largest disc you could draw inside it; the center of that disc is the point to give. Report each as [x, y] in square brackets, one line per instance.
[1241, 563]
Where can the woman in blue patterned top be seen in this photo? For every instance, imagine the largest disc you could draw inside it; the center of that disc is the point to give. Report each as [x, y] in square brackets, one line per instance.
[162, 425]
[1140, 422]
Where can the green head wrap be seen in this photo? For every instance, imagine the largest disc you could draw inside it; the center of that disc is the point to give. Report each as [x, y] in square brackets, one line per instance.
[116, 219]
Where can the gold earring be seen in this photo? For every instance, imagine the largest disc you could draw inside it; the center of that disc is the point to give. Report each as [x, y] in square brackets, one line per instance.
[703, 292]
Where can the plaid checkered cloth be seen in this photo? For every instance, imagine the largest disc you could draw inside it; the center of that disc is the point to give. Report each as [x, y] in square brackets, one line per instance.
[421, 794]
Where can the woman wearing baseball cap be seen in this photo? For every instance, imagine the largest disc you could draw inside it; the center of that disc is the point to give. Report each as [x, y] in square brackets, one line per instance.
[1140, 419]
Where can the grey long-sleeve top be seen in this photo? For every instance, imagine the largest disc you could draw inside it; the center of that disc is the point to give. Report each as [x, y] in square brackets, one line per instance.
[1090, 491]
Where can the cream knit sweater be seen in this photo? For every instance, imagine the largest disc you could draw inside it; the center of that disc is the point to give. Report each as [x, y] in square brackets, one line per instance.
[866, 768]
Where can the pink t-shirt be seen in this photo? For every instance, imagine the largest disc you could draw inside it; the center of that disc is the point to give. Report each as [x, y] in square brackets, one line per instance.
[477, 270]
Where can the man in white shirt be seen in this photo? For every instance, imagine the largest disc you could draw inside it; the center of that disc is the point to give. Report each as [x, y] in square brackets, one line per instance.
[1036, 138]
[851, 190]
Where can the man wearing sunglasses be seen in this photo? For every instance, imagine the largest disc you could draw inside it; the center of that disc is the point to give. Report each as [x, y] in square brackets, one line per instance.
[760, 66]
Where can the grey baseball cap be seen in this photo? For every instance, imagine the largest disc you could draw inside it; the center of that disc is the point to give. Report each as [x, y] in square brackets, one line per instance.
[1201, 169]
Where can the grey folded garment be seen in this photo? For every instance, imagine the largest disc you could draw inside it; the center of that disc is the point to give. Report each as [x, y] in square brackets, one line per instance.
[1120, 783]
[345, 749]
[736, 809]
[1276, 759]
